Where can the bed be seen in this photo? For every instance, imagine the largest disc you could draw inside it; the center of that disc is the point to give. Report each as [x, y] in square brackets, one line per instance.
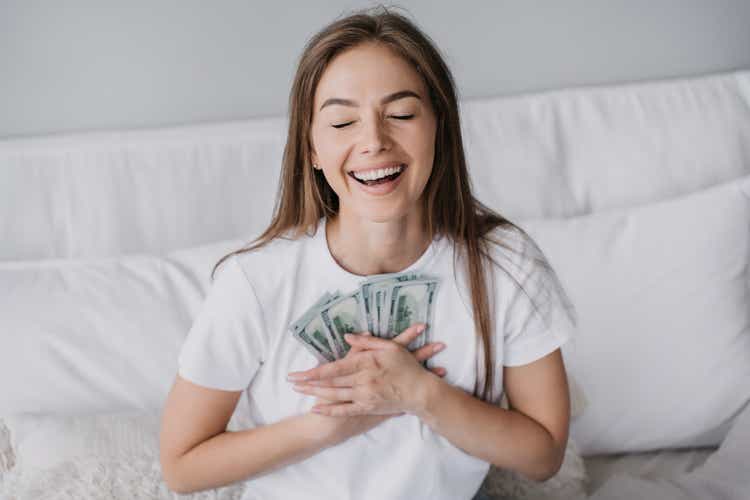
[637, 193]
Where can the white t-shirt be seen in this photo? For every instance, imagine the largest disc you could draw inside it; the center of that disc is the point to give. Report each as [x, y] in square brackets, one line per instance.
[240, 341]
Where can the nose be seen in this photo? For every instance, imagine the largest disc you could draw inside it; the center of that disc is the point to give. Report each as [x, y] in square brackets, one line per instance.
[374, 136]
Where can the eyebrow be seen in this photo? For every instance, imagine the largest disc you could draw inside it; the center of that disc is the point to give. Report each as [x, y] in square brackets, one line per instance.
[385, 100]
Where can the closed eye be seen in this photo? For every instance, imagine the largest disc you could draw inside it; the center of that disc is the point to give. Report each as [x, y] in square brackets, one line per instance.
[342, 125]
[398, 117]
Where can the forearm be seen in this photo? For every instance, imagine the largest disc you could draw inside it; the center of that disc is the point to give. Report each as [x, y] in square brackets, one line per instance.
[506, 438]
[234, 456]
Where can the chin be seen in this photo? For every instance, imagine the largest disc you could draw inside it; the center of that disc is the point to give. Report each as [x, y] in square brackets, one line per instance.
[387, 215]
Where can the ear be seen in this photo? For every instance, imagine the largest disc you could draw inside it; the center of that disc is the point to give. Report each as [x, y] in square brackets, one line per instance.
[313, 155]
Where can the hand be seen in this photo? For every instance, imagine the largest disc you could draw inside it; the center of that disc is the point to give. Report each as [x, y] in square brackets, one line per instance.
[380, 378]
[340, 428]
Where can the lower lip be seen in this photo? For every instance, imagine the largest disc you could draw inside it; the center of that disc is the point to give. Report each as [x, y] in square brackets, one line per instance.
[380, 189]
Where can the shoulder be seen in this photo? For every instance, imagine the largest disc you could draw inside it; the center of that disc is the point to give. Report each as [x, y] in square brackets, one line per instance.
[513, 250]
[273, 264]
[529, 277]
[280, 249]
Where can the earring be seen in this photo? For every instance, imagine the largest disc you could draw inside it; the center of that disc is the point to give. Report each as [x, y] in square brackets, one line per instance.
[315, 165]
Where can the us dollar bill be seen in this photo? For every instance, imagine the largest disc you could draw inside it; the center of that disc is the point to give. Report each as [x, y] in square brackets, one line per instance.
[409, 303]
[342, 316]
[368, 291]
[384, 305]
[311, 334]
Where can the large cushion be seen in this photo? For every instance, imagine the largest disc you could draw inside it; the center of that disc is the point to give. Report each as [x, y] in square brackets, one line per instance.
[104, 334]
[99, 335]
[663, 347]
[552, 154]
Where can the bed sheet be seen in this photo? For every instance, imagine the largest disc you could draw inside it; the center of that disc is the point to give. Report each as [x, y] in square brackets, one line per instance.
[650, 465]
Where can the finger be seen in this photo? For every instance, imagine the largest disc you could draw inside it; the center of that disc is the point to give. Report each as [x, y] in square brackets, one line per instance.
[337, 368]
[404, 338]
[439, 371]
[365, 342]
[356, 349]
[337, 394]
[338, 409]
[428, 351]
[345, 381]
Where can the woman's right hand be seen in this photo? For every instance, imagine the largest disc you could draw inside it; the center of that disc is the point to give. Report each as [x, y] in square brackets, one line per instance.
[342, 428]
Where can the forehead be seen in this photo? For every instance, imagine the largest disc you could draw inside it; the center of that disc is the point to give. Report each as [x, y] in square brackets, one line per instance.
[367, 71]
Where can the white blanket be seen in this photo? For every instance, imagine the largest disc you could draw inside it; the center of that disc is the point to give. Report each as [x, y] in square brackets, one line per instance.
[725, 475]
[115, 456]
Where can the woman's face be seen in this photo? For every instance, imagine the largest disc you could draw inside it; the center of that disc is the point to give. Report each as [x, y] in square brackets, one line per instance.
[372, 116]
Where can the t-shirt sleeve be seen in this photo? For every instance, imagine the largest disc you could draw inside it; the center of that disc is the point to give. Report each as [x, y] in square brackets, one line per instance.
[225, 344]
[529, 332]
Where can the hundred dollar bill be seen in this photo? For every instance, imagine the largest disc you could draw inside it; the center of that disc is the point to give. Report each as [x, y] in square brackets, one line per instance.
[410, 303]
[318, 343]
[313, 310]
[367, 292]
[316, 337]
[343, 316]
[381, 300]
[380, 289]
[384, 304]
[321, 353]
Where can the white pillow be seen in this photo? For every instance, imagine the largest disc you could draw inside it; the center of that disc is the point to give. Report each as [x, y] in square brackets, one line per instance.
[101, 335]
[663, 347]
[110, 331]
[118, 453]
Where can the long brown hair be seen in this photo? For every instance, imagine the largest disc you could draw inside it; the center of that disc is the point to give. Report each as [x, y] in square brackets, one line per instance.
[304, 196]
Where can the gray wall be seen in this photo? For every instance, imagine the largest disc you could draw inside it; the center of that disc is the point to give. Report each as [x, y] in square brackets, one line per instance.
[84, 65]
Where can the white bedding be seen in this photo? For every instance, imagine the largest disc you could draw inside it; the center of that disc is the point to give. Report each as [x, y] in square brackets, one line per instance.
[650, 465]
[116, 453]
[725, 474]
[115, 456]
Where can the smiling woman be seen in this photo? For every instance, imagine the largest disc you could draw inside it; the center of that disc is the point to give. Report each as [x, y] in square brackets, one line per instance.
[374, 181]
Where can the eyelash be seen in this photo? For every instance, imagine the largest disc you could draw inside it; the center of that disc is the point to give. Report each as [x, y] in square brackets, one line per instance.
[402, 117]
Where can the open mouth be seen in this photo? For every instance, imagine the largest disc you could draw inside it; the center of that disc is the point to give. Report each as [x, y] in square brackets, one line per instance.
[369, 181]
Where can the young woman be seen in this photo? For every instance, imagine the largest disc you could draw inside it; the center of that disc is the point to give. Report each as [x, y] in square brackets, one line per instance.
[374, 181]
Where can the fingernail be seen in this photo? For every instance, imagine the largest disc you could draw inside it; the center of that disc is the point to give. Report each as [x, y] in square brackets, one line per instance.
[438, 347]
[348, 336]
[295, 377]
[420, 328]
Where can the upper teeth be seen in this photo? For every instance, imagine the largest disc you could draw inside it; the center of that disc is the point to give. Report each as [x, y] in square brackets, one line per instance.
[372, 175]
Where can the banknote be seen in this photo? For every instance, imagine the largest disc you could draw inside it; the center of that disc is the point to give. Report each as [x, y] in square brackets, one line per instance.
[307, 315]
[408, 303]
[315, 339]
[343, 316]
[320, 352]
[367, 289]
[384, 305]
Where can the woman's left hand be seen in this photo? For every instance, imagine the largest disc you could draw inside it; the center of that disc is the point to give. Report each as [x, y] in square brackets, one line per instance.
[382, 379]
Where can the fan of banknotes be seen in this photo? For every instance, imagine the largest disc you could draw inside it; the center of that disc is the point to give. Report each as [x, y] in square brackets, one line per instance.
[384, 305]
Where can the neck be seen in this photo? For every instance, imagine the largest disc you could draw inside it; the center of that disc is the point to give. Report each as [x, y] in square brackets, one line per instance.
[365, 247]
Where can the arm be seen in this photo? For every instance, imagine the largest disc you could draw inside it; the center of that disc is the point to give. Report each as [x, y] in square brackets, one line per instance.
[529, 438]
[197, 453]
